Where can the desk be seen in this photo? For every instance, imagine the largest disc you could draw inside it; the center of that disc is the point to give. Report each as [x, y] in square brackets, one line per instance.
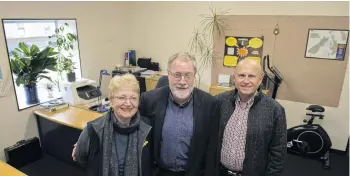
[215, 89]
[151, 82]
[7, 170]
[60, 130]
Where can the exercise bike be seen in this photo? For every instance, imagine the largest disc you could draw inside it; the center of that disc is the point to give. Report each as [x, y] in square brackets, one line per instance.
[276, 77]
[310, 140]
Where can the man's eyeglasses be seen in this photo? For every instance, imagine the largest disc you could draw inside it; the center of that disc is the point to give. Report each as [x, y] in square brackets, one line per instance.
[178, 76]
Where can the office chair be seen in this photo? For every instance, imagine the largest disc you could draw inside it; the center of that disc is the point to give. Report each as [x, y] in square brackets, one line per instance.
[142, 83]
[136, 74]
[163, 81]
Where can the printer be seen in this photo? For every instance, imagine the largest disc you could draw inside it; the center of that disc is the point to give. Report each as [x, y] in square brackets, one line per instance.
[82, 91]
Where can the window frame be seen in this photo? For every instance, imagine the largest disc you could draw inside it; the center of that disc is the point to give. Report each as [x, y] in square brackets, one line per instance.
[8, 55]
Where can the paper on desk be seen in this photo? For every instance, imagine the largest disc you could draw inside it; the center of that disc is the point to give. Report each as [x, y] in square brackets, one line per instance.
[224, 80]
[148, 72]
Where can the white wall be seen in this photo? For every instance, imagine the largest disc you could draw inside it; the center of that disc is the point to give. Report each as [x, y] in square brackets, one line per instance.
[160, 29]
[102, 32]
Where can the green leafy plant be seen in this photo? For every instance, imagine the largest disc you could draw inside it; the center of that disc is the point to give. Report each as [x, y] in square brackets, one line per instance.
[29, 64]
[67, 65]
[65, 45]
[201, 43]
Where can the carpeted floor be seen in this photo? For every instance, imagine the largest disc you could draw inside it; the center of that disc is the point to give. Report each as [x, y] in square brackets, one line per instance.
[49, 166]
[299, 166]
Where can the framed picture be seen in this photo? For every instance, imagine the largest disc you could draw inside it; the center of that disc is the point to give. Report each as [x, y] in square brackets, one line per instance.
[327, 44]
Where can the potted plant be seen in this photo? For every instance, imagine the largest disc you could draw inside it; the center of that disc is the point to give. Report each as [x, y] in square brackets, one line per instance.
[67, 65]
[65, 45]
[29, 65]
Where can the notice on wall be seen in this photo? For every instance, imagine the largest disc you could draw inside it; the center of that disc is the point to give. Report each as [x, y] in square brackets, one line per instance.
[238, 48]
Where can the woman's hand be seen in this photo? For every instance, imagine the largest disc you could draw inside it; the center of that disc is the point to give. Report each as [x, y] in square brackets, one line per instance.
[73, 153]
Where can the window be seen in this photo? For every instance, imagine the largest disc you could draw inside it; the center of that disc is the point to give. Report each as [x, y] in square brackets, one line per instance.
[41, 54]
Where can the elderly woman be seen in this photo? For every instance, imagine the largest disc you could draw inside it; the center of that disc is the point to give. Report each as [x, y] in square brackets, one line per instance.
[117, 143]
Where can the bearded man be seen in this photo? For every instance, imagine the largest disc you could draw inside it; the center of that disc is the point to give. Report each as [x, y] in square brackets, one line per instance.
[184, 122]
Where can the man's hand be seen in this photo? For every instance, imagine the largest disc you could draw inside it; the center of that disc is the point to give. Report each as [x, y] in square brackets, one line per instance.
[73, 153]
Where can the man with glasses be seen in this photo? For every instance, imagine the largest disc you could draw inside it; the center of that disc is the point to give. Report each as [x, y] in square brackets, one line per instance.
[184, 121]
[252, 134]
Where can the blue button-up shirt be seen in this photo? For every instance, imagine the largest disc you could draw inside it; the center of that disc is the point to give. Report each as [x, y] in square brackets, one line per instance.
[176, 135]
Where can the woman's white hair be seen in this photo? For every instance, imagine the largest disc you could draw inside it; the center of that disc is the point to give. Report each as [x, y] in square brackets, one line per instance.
[125, 80]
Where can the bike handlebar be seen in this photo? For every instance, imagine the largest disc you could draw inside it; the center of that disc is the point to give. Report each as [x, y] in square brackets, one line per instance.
[267, 57]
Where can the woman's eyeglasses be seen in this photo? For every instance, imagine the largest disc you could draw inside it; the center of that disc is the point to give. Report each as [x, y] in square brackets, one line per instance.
[124, 99]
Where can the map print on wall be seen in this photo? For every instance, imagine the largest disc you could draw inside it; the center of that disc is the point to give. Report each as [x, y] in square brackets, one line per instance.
[238, 48]
[327, 44]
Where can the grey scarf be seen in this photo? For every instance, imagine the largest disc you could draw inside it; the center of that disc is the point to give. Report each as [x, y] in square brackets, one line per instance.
[110, 158]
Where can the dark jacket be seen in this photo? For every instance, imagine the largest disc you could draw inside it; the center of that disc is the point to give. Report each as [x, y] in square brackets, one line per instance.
[266, 141]
[153, 105]
[90, 141]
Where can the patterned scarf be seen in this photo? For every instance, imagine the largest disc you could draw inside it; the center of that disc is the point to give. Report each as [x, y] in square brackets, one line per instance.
[110, 158]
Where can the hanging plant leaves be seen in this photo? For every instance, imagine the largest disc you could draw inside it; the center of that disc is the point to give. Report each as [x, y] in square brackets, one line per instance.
[214, 22]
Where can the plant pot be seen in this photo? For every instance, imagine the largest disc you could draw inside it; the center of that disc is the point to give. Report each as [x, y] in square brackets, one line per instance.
[71, 77]
[31, 94]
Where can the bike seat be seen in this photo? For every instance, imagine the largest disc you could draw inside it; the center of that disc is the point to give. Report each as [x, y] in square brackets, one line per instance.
[315, 108]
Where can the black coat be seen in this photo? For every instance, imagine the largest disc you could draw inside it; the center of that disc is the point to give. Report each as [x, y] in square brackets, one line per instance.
[89, 148]
[266, 140]
[153, 105]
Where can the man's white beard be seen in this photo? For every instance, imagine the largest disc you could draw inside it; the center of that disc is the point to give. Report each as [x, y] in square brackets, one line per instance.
[182, 93]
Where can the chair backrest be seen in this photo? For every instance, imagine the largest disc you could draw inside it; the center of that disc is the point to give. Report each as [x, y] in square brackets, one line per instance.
[163, 81]
[142, 83]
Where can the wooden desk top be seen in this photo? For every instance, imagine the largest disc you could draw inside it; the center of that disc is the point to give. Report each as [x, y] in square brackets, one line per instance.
[71, 116]
[7, 170]
[158, 75]
[215, 86]
[215, 89]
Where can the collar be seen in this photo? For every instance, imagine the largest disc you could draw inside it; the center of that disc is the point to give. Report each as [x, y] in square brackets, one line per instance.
[125, 129]
[171, 98]
[257, 97]
[246, 104]
[115, 120]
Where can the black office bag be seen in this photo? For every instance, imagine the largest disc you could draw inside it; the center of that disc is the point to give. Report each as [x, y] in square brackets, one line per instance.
[144, 62]
[23, 152]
